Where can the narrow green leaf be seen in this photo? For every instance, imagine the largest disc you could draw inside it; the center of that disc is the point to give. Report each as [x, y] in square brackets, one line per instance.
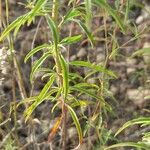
[22, 20]
[87, 85]
[27, 100]
[85, 29]
[82, 103]
[76, 122]
[85, 91]
[40, 98]
[75, 76]
[111, 12]
[53, 28]
[129, 144]
[142, 120]
[11, 27]
[93, 66]
[71, 40]
[38, 63]
[71, 14]
[35, 50]
[143, 51]
[65, 76]
[37, 7]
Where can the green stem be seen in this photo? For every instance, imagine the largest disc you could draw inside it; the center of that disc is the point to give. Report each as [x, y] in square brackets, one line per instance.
[59, 72]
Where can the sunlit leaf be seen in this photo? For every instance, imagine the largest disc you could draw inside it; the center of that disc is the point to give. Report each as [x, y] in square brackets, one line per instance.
[81, 103]
[53, 28]
[93, 66]
[76, 122]
[40, 98]
[65, 76]
[87, 85]
[85, 91]
[71, 40]
[35, 50]
[129, 144]
[11, 27]
[142, 120]
[71, 14]
[22, 20]
[85, 29]
[38, 63]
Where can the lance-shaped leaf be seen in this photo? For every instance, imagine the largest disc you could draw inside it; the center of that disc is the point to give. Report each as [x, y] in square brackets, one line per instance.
[35, 50]
[93, 66]
[37, 7]
[86, 91]
[38, 63]
[71, 15]
[142, 120]
[65, 76]
[77, 124]
[85, 29]
[111, 12]
[22, 20]
[87, 85]
[40, 98]
[53, 28]
[139, 145]
[82, 103]
[71, 40]
[11, 27]
[143, 51]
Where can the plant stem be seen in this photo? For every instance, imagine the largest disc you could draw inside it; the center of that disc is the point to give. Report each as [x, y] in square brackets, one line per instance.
[55, 11]
[59, 72]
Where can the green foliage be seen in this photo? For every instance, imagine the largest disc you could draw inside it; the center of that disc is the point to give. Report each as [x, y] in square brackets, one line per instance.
[68, 90]
[97, 68]
[64, 67]
[144, 144]
[144, 121]
[41, 97]
[76, 122]
[111, 12]
[143, 51]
